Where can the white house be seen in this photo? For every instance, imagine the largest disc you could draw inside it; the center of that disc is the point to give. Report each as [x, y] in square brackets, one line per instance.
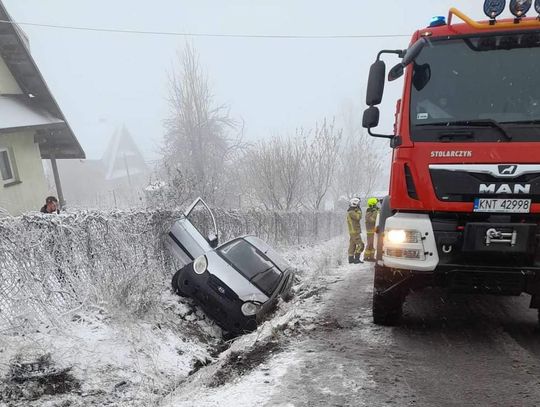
[32, 126]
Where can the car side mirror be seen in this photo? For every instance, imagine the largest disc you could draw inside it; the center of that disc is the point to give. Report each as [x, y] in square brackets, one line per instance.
[375, 87]
[396, 72]
[371, 117]
[213, 240]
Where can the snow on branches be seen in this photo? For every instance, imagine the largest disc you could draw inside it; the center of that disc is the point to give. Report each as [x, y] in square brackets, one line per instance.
[53, 266]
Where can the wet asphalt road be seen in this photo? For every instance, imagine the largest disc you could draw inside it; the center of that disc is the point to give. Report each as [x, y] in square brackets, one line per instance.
[448, 351]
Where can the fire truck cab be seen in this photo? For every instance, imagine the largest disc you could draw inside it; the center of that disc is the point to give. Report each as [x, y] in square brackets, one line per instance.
[463, 211]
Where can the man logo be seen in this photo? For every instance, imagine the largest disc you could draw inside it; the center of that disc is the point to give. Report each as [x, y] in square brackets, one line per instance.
[505, 189]
[507, 169]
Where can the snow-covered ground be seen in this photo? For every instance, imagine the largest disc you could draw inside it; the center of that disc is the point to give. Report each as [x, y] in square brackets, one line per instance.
[113, 359]
[116, 360]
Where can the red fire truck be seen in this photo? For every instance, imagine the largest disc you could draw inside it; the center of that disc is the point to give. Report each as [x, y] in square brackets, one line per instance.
[464, 206]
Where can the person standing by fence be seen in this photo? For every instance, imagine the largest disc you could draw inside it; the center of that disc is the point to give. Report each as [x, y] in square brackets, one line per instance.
[51, 205]
[371, 219]
[356, 245]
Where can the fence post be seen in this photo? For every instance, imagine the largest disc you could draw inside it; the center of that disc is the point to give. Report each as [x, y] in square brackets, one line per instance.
[298, 219]
[316, 226]
[276, 237]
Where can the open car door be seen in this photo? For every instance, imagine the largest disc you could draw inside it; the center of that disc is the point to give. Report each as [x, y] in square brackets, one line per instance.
[194, 234]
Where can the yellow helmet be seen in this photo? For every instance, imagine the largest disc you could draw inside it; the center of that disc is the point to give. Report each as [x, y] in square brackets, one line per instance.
[372, 202]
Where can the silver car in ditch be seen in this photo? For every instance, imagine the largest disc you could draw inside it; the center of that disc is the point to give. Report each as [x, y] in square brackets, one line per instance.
[236, 283]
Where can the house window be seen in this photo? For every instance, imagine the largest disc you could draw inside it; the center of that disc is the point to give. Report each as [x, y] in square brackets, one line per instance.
[7, 167]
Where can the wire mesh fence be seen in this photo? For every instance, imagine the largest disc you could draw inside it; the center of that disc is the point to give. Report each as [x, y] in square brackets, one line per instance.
[51, 266]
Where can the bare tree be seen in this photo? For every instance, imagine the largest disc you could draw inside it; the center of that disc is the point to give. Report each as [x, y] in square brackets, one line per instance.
[197, 144]
[275, 172]
[362, 161]
[322, 154]
[360, 168]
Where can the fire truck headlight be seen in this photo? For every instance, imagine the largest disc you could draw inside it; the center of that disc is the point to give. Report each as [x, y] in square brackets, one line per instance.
[494, 8]
[404, 244]
[398, 236]
[411, 254]
[520, 7]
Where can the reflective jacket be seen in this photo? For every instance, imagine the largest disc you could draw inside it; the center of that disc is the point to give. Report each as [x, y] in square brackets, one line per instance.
[371, 219]
[353, 221]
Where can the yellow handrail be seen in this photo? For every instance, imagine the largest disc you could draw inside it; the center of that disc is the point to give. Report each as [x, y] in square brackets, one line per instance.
[487, 26]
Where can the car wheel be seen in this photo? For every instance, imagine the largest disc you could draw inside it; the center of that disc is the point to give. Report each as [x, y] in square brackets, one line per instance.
[288, 296]
[387, 309]
[175, 286]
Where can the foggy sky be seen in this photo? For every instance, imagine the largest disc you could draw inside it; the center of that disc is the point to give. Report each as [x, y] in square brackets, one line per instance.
[102, 80]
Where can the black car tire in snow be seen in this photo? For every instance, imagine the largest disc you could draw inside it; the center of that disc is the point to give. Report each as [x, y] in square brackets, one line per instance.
[288, 296]
[387, 309]
[175, 286]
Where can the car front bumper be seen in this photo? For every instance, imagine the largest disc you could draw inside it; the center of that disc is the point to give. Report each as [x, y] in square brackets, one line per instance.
[218, 300]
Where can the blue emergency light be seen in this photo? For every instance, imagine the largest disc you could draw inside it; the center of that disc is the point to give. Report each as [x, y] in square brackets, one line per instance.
[437, 21]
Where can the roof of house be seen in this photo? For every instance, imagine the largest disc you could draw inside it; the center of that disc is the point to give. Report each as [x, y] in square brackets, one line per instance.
[123, 157]
[56, 139]
[18, 113]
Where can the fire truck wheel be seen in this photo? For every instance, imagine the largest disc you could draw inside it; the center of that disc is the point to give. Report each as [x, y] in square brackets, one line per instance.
[387, 309]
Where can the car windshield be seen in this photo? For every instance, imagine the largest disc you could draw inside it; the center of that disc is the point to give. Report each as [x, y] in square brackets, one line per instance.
[252, 264]
[489, 85]
[269, 251]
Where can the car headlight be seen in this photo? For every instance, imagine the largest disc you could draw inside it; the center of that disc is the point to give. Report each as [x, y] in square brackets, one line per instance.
[397, 236]
[250, 308]
[200, 264]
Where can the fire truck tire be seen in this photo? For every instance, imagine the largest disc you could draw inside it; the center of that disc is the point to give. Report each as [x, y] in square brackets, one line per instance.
[387, 309]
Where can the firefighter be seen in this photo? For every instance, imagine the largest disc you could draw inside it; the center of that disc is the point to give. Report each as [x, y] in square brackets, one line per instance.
[356, 246]
[371, 218]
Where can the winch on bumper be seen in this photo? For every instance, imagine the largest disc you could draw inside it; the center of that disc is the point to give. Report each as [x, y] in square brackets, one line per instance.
[483, 255]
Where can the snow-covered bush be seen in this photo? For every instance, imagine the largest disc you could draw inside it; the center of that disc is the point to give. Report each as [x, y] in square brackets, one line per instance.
[52, 266]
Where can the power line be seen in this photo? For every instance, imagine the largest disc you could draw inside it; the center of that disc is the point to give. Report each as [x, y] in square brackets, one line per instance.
[190, 34]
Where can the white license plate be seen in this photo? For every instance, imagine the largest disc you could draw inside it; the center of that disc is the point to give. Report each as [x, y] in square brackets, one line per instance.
[502, 205]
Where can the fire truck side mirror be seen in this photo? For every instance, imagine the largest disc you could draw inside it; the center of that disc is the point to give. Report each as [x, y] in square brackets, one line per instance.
[375, 87]
[396, 72]
[414, 51]
[371, 117]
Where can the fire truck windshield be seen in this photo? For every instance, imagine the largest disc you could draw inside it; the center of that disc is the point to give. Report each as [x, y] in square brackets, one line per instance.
[459, 83]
